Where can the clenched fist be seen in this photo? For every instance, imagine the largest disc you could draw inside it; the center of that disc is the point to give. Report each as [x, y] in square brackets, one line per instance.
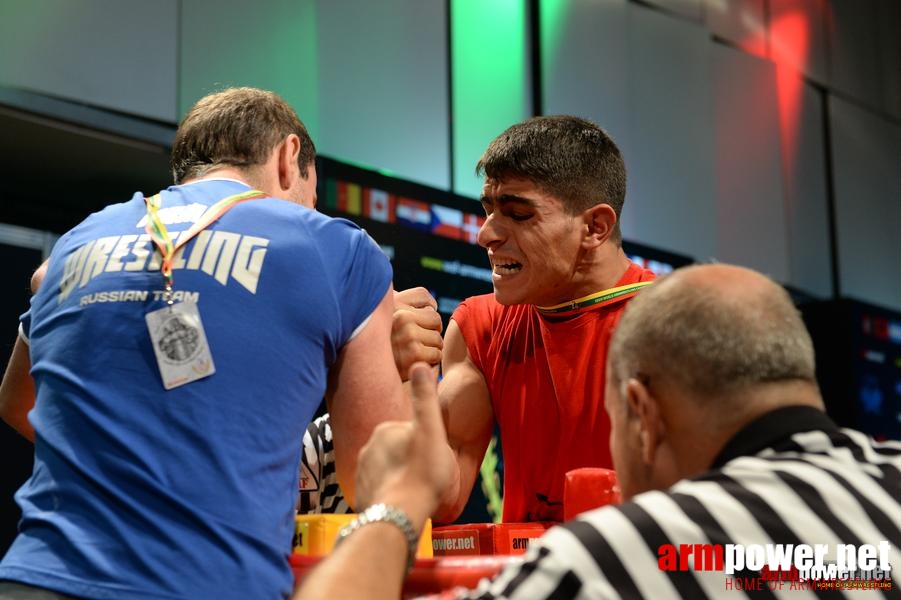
[415, 330]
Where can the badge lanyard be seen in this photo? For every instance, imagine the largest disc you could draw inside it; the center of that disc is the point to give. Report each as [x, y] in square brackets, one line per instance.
[159, 234]
[176, 331]
[602, 298]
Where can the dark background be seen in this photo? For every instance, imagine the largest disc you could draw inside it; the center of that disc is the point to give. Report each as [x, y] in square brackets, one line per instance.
[16, 451]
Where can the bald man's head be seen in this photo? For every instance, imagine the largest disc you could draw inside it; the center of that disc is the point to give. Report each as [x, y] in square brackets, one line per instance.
[694, 359]
[712, 330]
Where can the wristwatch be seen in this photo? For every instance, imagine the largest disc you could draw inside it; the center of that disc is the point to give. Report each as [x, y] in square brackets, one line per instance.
[386, 514]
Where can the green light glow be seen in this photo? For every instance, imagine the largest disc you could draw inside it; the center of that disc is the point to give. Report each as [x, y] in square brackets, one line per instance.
[551, 14]
[274, 49]
[368, 167]
[491, 82]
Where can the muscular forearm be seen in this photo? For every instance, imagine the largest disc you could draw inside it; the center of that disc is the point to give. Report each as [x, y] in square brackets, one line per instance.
[408, 466]
[454, 500]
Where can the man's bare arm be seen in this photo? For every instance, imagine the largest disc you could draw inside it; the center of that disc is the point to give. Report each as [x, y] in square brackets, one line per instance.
[364, 390]
[38, 276]
[468, 418]
[406, 465]
[17, 391]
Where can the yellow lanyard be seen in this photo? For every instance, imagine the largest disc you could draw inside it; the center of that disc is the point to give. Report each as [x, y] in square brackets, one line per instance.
[601, 298]
[163, 241]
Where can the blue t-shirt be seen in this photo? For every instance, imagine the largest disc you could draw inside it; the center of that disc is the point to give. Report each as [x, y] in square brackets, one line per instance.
[140, 492]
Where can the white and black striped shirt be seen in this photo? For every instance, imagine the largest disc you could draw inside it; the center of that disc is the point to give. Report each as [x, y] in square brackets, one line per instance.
[319, 490]
[791, 477]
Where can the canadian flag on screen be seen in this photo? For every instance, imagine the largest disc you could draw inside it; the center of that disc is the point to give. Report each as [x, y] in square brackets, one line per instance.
[471, 225]
[379, 205]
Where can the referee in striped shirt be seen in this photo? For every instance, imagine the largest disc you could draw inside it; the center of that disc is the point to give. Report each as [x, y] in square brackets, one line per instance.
[723, 452]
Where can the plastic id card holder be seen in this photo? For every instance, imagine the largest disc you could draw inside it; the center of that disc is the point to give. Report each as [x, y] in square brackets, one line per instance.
[180, 344]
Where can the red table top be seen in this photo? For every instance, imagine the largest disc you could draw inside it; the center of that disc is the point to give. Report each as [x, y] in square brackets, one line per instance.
[430, 575]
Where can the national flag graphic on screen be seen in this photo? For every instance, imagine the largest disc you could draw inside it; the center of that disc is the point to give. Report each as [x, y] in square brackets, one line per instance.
[880, 328]
[331, 194]
[414, 213]
[471, 225]
[378, 205]
[349, 198]
[894, 331]
[447, 222]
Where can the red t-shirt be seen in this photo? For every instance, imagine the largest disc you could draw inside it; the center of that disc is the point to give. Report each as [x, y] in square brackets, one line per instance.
[545, 374]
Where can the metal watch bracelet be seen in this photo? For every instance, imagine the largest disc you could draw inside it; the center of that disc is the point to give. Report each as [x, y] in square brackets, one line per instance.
[384, 513]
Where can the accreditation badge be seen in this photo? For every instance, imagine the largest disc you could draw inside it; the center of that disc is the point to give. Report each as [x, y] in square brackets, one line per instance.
[182, 352]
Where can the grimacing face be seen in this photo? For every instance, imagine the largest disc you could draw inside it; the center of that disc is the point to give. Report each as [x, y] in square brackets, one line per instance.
[533, 243]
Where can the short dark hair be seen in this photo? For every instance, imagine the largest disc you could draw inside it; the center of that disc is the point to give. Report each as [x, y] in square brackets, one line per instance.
[567, 157]
[236, 127]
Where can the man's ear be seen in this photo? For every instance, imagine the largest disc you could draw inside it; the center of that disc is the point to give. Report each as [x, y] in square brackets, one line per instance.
[644, 409]
[600, 221]
[288, 170]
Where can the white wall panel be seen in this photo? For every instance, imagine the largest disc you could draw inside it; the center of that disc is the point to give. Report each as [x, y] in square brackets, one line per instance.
[751, 216]
[865, 151]
[670, 155]
[383, 86]
[116, 54]
[889, 19]
[807, 204]
[741, 22]
[585, 64]
[690, 9]
[854, 55]
[273, 47]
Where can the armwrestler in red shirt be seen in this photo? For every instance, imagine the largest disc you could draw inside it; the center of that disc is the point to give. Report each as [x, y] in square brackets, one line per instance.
[527, 356]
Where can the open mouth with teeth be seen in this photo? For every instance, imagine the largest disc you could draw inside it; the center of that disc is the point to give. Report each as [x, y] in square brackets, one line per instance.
[507, 268]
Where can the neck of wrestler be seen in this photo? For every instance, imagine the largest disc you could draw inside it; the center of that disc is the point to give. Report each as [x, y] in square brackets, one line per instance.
[595, 271]
[683, 453]
[245, 176]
